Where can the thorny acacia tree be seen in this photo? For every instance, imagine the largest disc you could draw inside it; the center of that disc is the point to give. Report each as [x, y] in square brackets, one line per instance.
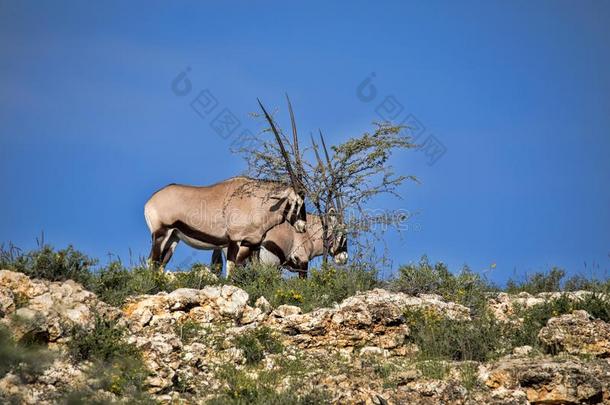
[344, 178]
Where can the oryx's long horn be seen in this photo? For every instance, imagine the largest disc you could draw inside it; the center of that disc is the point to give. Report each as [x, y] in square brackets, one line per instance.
[315, 149]
[295, 141]
[293, 179]
[338, 202]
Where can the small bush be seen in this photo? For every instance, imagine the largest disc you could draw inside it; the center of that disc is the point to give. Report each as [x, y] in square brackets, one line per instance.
[441, 338]
[242, 389]
[22, 359]
[536, 317]
[470, 375]
[118, 365]
[188, 330]
[466, 288]
[48, 264]
[114, 283]
[323, 287]
[105, 342]
[538, 282]
[255, 343]
[433, 369]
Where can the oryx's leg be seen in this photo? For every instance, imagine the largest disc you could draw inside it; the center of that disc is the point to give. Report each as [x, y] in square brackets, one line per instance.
[169, 246]
[158, 238]
[303, 270]
[232, 251]
[243, 253]
[216, 264]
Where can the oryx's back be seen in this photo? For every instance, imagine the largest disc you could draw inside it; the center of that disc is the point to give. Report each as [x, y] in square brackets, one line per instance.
[194, 205]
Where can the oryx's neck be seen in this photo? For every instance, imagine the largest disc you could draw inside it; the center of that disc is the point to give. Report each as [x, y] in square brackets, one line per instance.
[315, 231]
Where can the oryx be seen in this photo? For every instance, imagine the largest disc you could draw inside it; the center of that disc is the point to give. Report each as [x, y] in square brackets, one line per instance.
[283, 246]
[235, 213]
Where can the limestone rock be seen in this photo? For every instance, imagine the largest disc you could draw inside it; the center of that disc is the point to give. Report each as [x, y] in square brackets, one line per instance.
[48, 310]
[264, 305]
[577, 334]
[372, 318]
[547, 381]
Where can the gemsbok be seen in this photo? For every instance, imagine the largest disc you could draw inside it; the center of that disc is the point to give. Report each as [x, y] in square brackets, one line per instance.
[234, 214]
[284, 246]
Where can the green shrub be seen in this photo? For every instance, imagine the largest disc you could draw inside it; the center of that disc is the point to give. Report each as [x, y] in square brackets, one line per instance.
[470, 375]
[433, 369]
[256, 342]
[242, 389]
[105, 342]
[257, 280]
[322, 288]
[188, 330]
[118, 365]
[538, 282]
[48, 264]
[21, 358]
[440, 338]
[537, 316]
[114, 283]
[579, 282]
[197, 276]
[466, 288]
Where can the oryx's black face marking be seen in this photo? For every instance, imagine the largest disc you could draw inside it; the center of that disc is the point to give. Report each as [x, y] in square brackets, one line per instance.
[302, 214]
[338, 247]
[342, 245]
[297, 215]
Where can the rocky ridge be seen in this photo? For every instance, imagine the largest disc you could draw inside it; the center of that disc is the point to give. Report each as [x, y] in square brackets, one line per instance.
[358, 351]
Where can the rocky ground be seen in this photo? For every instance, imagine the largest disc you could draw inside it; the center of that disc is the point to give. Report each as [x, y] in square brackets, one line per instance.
[210, 344]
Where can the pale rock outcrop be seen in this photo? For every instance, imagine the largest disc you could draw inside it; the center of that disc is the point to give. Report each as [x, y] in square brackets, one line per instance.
[359, 351]
[504, 306]
[372, 318]
[545, 380]
[577, 333]
[48, 310]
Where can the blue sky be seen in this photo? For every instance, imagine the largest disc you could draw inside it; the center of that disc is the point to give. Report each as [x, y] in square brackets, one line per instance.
[517, 92]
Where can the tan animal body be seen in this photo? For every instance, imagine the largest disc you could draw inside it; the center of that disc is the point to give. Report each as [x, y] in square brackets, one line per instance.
[233, 213]
[284, 246]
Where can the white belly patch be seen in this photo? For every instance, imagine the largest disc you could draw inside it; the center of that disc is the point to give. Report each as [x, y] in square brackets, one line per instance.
[266, 257]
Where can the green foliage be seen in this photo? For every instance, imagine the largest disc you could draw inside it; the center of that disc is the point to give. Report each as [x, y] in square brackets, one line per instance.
[188, 330]
[555, 280]
[537, 316]
[243, 389]
[46, 263]
[113, 283]
[433, 369]
[466, 288]
[22, 358]
[579, 282]
[105, 342]
[118, 365]
[323, 287]
[256, 343]
[449, 339]
[469, 372]
[538, 282]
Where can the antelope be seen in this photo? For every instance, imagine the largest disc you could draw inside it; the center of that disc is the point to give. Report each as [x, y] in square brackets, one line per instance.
[234, 214]
[283, 246]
